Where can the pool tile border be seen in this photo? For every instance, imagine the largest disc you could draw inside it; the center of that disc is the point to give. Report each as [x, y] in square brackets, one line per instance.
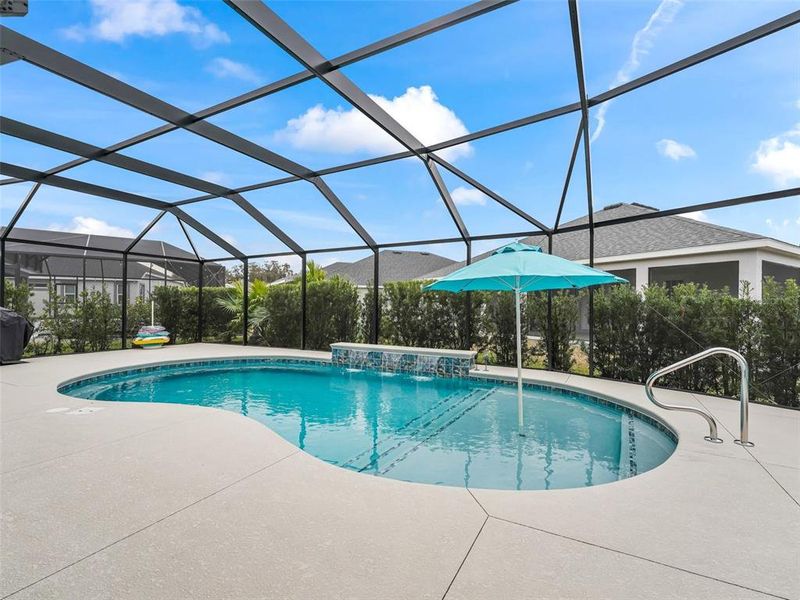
[575, 394]
[67, 386]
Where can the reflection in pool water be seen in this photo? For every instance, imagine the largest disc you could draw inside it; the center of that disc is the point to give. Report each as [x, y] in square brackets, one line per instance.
[431, 430]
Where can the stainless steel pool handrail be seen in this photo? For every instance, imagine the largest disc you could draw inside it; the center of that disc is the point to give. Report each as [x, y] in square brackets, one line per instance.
[744, 393]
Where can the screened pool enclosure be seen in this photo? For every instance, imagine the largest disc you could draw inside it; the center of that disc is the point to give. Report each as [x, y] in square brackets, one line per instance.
[267, 183]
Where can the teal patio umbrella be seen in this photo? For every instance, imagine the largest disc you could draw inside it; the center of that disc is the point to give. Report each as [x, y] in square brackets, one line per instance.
[521, 268]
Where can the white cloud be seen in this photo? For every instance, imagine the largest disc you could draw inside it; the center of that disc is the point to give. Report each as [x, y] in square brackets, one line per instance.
[347, 130]
[327, 261]
[779, 157]
[116, 20]
[217, 177]
[308, 220]
[641, 44]
[224, 68]
[675, 150]
[697, 215]
[92, 226]
[785, 229]
[465, 196]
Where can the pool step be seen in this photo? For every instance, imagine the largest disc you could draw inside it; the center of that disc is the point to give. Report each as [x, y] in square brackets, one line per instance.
[437, 431]
[351, 462]
[422, 423]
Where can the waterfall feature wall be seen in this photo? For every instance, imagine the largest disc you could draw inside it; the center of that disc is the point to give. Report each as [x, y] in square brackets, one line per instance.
[400, 359]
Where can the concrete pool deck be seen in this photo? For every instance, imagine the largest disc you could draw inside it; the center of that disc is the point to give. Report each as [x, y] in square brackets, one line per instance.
[129, 500]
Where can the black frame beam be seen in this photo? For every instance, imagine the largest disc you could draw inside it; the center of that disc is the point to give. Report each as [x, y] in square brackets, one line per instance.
[270, 24]
[434, 25]
[750, 36]
[568, 177]
[88, 77]
[774, 195]
[113, 194]
[63, 143]
[575, 26]
[20, 210]
[16, 46]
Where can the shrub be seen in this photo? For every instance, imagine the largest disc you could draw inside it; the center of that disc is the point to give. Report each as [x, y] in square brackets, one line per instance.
[138, 315]
[168, 309]
[103, 320]
[55, 323]
[779, 314]
[18, 298]
[498, 322]
[89, 324]
[565, 314]
[215, 318]
[333, 313]
[281, 328]
[366, 323]
[232, 302]
[402, 320]
[412, 317]
[637, 334]
[617, 330]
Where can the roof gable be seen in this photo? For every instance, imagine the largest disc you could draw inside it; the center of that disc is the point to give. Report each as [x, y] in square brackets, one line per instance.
[394, 265]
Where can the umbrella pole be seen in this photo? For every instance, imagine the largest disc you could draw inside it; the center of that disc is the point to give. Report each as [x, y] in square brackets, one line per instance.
[519, 362]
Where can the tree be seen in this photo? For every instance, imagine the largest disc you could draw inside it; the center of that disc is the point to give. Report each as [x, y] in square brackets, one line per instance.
[232, 303]
[267, 272]
[314, 273]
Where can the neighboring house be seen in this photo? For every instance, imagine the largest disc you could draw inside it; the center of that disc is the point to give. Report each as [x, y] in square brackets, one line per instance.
[72, 270]
[672, 250]
[393, 265]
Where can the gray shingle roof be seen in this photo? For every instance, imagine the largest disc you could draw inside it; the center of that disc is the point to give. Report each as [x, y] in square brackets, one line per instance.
[649, 235]
[394, 265]
[102, 242]
[68, 262]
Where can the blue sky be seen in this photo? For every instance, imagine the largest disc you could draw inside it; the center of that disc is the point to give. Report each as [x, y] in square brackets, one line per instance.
[728, 127]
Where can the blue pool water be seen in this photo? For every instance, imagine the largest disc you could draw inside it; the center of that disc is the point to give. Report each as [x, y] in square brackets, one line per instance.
[443, 431]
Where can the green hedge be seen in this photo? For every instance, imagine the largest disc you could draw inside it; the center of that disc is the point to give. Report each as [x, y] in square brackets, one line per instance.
[636, 334]
[333, 313]
[275, 312]
[91, 323]
[411, 317]
[281, 328]
[564, 316]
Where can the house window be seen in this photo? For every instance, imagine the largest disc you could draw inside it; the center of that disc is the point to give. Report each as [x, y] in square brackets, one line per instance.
[118, 289]
[69, 291]
[142, 290]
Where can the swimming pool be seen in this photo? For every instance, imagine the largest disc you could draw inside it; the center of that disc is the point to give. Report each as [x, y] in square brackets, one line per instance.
[458, 432]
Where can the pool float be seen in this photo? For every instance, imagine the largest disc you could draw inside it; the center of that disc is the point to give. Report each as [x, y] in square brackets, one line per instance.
[151, 342]
[151, 336]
